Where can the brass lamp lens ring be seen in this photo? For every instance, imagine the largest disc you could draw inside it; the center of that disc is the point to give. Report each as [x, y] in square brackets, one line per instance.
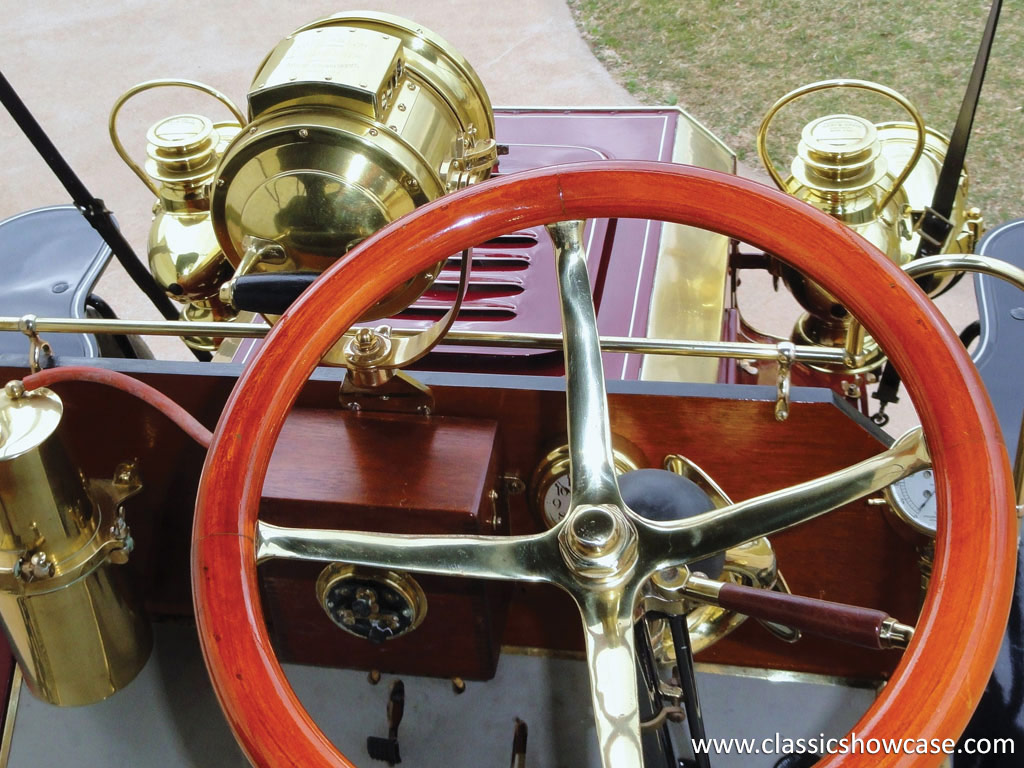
[267, 188]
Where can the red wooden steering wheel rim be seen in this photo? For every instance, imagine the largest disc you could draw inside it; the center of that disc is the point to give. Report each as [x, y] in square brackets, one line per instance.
[941, 677]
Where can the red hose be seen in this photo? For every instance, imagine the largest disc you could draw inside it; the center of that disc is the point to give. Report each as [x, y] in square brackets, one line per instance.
[133, 387]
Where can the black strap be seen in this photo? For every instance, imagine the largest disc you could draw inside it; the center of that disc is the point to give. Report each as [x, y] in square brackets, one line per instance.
[935, 224]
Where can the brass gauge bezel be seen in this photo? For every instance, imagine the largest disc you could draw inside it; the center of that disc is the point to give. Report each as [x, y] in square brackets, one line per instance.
[405, 585]
[555, 465]
[901, 516]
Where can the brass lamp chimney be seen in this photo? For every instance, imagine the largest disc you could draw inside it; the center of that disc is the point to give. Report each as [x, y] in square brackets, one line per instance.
[72, 621]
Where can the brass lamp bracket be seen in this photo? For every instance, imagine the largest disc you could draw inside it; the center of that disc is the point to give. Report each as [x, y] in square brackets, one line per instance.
[40, 353]
[471, 160]
[374, 385]
[36, 571]
[373, 355]
[787, 355]
[374, 358]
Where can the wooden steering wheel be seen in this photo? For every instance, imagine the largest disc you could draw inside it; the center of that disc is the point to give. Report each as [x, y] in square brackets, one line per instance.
[602, 552]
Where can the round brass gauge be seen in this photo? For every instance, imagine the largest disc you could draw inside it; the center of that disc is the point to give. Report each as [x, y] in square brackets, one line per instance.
[369, 603]
[550, 484]
[912, 501]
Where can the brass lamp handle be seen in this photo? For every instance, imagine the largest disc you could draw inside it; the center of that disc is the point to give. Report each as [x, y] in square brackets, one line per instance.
[148, 85]
[864, 85]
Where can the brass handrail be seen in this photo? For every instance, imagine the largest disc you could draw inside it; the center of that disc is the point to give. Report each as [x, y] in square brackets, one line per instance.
[553, 341]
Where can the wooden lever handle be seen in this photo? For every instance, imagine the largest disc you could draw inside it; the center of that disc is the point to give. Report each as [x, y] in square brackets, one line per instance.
[866, 627]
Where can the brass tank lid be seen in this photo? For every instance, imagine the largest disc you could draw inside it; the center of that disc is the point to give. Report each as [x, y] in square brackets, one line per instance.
[839, 153]
[181, 149]
[27, 419]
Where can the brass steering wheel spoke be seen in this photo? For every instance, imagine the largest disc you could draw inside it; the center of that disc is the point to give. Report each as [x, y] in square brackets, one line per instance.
[598, 537]
[592, 467]
[521, 558]
[717, 530]
[611, 660]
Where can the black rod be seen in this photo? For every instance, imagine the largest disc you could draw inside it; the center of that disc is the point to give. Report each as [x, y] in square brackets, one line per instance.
[92, 208]
[688, 682]
[935, 225]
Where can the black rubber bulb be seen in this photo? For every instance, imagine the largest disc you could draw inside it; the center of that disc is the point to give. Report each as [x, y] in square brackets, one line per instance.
[664, 496]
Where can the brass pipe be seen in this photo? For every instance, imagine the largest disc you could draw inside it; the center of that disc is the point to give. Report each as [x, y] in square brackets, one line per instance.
[553, 341]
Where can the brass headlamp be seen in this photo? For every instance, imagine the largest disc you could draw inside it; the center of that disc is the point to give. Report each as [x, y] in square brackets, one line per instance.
[71, 618]
[876, 179]
[356, 119]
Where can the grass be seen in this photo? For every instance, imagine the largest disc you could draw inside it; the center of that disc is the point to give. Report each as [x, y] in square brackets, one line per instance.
[727, 62]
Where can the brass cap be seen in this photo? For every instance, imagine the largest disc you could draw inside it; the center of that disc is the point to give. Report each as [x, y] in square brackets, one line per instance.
[182, 149]
[839, 152]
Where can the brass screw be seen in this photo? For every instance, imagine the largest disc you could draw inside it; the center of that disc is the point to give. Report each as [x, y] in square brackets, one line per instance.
[458, 685]
[373, 131]
[373, 677]
[125, 474]
[303, 133]
[366, 341]
[401, 107]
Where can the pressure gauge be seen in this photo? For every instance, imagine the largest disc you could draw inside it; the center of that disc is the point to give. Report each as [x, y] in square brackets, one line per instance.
[912, 499]
[550, 484]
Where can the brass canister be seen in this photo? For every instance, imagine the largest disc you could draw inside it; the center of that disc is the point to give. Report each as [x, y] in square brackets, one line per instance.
[840, 169]
[75, 627]
[182, 153]
[356, 119]
[184, 255]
